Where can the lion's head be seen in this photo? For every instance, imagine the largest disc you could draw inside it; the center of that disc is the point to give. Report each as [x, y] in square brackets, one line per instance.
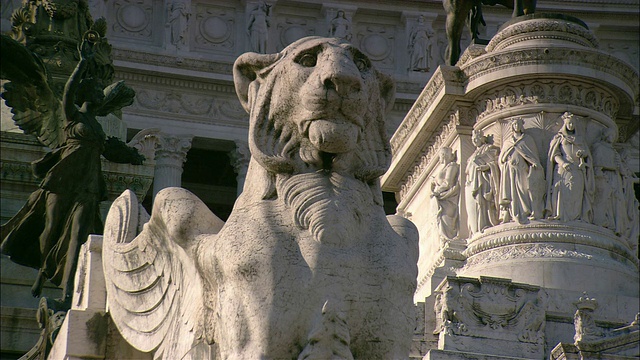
[318, 104]
[316, 123]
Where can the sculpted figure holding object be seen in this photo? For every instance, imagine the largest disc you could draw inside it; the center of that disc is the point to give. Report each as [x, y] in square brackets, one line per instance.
[522, 181]
[570, 174]
[446, 190]
[483, 184]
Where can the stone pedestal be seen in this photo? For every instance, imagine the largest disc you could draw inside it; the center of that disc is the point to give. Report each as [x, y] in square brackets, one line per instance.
[546, 71]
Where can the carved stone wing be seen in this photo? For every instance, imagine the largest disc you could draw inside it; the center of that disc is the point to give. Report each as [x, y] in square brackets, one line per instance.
[154, 291]
[36, 108]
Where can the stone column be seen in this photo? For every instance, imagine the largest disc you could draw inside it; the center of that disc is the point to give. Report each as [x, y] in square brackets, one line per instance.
[240, 158]
[171, 153]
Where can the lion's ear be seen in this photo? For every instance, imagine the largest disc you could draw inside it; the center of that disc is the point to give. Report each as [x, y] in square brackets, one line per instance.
[245, 72]
[387, 90]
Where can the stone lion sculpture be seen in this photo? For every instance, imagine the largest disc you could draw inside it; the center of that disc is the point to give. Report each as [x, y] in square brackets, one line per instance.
[307, 266]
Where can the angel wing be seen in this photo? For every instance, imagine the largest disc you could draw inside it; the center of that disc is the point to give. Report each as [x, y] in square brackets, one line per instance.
[154, 291]
[36, 108]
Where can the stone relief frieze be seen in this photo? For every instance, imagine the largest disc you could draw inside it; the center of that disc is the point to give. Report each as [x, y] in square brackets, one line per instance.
[586, 58]
[549, 91]
[490, 308]
[378, 42]
[537, 234]
[292, 28]
[133, 19]
[526, 30]
[195, 107]
[175, 101]
[525, 251]
[215, 29]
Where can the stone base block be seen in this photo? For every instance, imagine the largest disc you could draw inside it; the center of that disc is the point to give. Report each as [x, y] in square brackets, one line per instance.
[495, 347]
[456, 355]
[82, 336]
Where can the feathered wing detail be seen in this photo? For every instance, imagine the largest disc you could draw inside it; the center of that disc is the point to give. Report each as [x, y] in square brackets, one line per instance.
[154, 291]
[36, 108]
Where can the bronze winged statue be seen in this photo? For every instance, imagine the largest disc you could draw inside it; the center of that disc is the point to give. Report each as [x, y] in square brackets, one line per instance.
[47, 233]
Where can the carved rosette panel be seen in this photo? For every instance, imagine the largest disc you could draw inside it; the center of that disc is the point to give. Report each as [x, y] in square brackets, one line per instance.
[377, 41]
[133, 19]
[292, 28]
[490, 308]
[215, 29]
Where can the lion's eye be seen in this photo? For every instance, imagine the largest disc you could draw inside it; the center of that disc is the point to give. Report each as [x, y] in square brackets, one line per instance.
[361, 63]
[307, 60]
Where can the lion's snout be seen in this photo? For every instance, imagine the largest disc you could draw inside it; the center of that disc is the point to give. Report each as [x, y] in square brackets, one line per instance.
[333, 137]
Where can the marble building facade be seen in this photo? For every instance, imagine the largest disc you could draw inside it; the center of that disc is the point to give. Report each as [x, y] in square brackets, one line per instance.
[178, 56]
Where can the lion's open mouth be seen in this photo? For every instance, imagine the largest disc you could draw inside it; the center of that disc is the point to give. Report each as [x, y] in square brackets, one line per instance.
[333, 137]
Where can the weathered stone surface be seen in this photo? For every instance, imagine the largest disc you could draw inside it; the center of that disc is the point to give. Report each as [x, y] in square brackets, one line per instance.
[307, 265]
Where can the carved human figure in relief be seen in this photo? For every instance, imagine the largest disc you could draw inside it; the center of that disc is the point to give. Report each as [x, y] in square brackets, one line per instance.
[446, 190]
[178, 21]
[610, 211]
[258, 28]
[308, 266]
[570, 174]
[522, 179]
[632, 206]
[482, 186]
[420, 46]
[340, 26]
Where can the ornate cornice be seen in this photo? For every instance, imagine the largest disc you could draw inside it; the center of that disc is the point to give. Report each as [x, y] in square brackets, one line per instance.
[221, 67]
[137, 76]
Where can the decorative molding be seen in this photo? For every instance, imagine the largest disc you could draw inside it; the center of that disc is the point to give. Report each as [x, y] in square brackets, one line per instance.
[443, 75]
[545, 231]
[569, 57]
[428, 156]
[158, 59]
[530, 30]
[566, 92]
